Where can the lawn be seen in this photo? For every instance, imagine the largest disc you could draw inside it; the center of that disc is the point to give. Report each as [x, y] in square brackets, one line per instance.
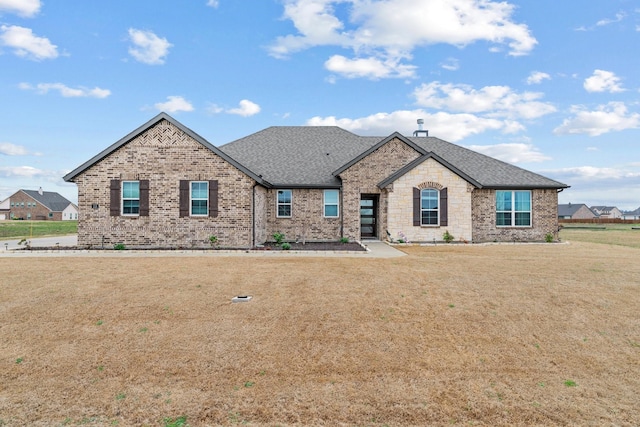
[484, 335]
[608, 234]
[26, 229]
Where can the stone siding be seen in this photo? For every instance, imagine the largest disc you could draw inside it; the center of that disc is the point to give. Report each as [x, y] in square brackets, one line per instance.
[164, 155]
[363, 178]
[544, 218]
[430, 174]
[307, 222]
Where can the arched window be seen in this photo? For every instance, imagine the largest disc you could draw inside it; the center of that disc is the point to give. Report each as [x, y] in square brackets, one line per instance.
[429, 206]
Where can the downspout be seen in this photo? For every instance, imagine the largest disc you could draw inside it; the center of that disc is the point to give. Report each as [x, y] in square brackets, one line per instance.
[253, 215]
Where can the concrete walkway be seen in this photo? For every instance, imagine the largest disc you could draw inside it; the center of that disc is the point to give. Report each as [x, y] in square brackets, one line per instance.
[11, 248]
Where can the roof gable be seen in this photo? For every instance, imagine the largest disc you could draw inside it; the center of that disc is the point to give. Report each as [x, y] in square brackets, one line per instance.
[412, 165]
[50, 199]
[132, 135]
[376, 147]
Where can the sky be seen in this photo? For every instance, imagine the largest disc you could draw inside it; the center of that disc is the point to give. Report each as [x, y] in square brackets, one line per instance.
[550, 86]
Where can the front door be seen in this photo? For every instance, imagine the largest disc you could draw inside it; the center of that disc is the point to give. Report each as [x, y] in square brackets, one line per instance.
[368, 216]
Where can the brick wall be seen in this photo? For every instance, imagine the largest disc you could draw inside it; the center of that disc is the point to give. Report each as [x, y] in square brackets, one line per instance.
[363, 178]
[307, 220]
[430, 174]
[164, 155]
[22, 210]
[544, 218]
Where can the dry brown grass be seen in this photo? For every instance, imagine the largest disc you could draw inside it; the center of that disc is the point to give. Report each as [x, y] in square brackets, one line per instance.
[459, 334]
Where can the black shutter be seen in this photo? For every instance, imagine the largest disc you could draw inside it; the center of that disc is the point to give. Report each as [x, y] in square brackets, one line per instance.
[144, 197]
[416, 207]
[114, 203]
[213, 198]
[444, 208]
[184, 198]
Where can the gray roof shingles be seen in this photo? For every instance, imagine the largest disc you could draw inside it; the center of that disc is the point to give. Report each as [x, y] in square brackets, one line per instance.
[52, 200]
[308, 155]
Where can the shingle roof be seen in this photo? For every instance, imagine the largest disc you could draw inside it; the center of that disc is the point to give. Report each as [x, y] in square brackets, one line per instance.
[570, 209]
[52, 200]
[311, 155]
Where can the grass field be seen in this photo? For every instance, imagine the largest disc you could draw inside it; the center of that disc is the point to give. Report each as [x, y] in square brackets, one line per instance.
[608, 234]
[27, 229]
[544, 334]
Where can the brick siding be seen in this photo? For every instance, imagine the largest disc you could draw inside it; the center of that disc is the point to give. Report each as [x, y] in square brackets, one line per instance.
[164, 155]
[38, 212]
[544, 218]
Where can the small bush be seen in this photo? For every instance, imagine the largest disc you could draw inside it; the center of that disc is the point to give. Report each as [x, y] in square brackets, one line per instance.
[548, 237]
[447, 237]
[279, 238]
[213, 240]
[119, 247]
[344, 240]
[285, 246]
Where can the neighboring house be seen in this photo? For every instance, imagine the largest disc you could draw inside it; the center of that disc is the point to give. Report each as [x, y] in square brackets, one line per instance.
[164, 185]
[575, 211]
[625, 215]
[607, 211]
[4, 209]
[40, 205]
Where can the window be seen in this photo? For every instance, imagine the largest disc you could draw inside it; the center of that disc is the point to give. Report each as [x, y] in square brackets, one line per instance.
[199, 198]
[513, 208]
[284, 204]
[130, 197]
[429, 209]
[331, 203]
[51, 214]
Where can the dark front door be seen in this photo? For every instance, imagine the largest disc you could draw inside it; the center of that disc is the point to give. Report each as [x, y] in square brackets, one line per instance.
[368, 216]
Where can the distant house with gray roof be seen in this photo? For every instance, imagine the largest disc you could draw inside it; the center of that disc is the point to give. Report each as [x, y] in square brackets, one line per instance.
[39, 205]
[607, 211]
[575, 211]
[165, 185]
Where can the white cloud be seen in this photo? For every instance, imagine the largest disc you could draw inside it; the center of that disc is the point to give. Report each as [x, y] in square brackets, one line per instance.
[607, 118]
[536, 77]
[493, 101]
[451, 127]
[27, 45]
[147, 47]
[390, 30]
[21, 171]
[213, 3]
[9, 149]
[512, 153]
[246, 109]
[26, 8]
[619, 17]
[451, 64]
[174, 104]
[67, 92]
[603, 81]
[373, 68]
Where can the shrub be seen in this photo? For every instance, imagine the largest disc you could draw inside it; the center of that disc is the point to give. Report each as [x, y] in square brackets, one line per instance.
[447, 237]
[344, 240]
[285, 246]
[213, 240]
[119, 247]
[548, 237]
[279, 238]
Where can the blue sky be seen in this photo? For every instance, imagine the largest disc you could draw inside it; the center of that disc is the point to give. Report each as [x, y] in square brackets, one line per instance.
[550, 86]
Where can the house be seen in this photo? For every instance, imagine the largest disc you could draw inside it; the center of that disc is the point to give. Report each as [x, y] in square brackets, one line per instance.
[635, 214]
[38, 205]
[607, 211]
[575, 211]
[164, 185]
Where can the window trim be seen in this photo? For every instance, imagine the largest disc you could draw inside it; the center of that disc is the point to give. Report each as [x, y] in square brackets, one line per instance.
[123, 198]
[191, 198]
[513, 212]
[436, 210]
[325, 204]
[278, 203]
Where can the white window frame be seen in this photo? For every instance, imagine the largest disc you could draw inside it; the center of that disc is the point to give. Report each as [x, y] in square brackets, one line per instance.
[123, 199]
[436, 210]
[283, 204]
[326, 204]
[192, 199]
[513, 211]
